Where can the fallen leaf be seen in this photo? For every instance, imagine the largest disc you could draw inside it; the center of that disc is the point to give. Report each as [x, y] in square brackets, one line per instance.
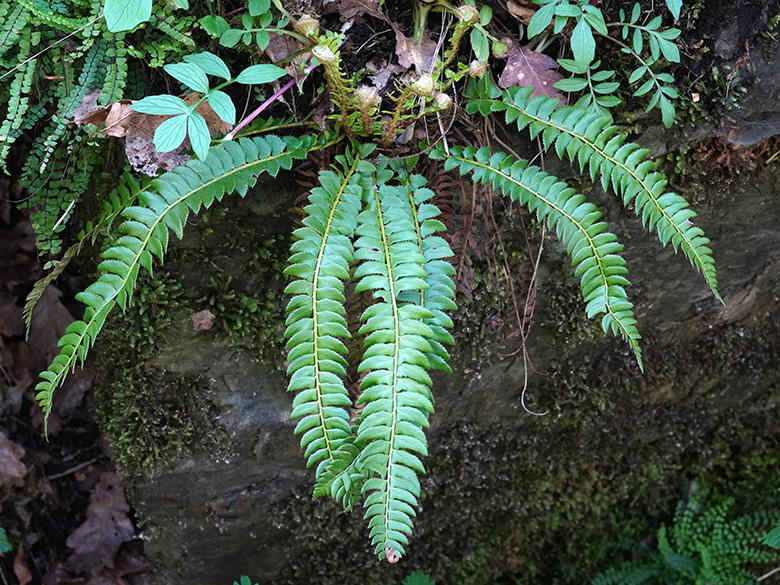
[282, 46]
[96, 542]
[521, 12]
[530, 69]
[21, 569]
[422, 55]
[89, 103]
[380, 75]
[202, 320]
[349, 9]
[12, 470]
[138, 129]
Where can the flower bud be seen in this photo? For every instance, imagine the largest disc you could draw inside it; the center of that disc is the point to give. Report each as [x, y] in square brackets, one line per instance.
[468, 15]
[441, 101]
[366, 97]
[307, 25]
[477, 68]
[423, 86]
[324, 54]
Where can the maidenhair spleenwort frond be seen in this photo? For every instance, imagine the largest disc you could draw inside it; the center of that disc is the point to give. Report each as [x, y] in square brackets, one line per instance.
[594, 250]
[125, 196]
[232, 166]
[592, 141]
[316, 317]
[396, 388]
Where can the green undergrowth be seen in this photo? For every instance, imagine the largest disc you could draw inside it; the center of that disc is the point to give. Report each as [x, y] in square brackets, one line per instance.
[558, 499]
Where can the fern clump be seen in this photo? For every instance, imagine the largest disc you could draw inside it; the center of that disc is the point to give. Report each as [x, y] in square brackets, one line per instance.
[701, 546]
[370, 237]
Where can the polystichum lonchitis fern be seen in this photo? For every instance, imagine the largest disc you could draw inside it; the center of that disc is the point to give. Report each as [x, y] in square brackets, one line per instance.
[370, 230]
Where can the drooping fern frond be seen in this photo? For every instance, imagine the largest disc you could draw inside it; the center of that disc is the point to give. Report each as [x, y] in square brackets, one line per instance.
[396, 389]
[594, 251]
[233, 166]
[591, 141]
[322, 255]
[440, 294]
[13, 19]
[116, 69]
[123, 197]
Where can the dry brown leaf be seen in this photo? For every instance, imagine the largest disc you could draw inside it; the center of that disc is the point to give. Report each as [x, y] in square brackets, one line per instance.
[380, 74]
[520, 11]
[422, 55]
[349, 9]
[138, 131]
[89, 104]
[282, 46]
[21, 568]
[96, 542]
[12, 470]
[530, 69]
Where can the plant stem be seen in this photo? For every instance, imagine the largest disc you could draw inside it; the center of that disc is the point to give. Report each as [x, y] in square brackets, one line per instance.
[279, 93]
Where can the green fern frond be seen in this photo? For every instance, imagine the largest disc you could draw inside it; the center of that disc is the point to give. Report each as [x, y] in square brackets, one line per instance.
[5, 544]
[396, 389]
[233, 166]
[123, 197]
[116, 73]
[13, 21]
[594, 251]
[322, 254]
[590, 140]
[440, 294]
[342, 479]
[19, 96]
[88, 80]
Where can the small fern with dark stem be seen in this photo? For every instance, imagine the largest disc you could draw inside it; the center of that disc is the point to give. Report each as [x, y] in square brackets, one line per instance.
[370, 226]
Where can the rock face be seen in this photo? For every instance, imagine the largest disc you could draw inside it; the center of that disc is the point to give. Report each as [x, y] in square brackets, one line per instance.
[508, 492]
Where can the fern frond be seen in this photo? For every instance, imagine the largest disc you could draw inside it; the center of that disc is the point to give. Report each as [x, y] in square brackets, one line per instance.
[88, 79]
[342, 479]
[116, 73]
[12, 23]
[123, 197]
[19, 97]
[233, 166]
[590, 140]
[396, 389]
[440, 294]
[594, 251]
[322, 254]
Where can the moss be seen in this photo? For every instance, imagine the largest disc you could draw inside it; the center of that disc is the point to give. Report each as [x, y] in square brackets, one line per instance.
[150, 417]
[558, 499]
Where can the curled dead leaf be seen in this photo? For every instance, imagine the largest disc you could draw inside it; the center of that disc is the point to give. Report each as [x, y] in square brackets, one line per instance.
[95, 543]
[522, 12]
[138, 129]
[421, 55]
